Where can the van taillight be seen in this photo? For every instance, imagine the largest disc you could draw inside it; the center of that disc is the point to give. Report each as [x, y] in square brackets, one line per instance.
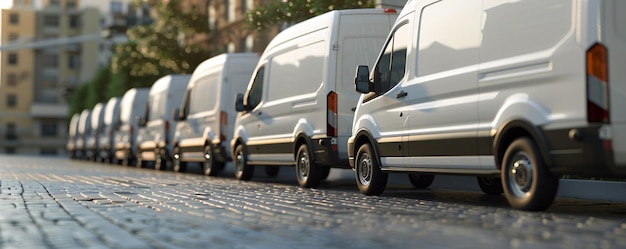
[597, 85]
[389, 10]
[223, 126]
[331, 115]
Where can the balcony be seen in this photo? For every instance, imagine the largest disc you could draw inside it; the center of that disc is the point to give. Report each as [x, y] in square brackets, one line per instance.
[49, 110]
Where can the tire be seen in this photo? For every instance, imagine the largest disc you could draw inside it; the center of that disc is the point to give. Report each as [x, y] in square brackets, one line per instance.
[526, 181]
[369, 178]
[309, 174]
[177, 164]
[139, 161]
[490, 185]
[272, 171]
[210, 166]
[420, 180]
[243, 171]
[325, 173]
[160, 162]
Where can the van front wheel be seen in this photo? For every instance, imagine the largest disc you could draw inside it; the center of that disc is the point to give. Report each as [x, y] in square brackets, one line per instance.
[527, 183]
[177, 164]
[210, 166]
[369, 178]
[243, 171]
[308, 173]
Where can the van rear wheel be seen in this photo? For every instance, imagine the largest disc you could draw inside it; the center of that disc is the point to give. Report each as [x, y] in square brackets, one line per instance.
[420, 180]
[138, 160]
[490, 185]
[243, 171]
[161, 162]
[369, 178]
[210, 166]
[527, 183]
[309, 174]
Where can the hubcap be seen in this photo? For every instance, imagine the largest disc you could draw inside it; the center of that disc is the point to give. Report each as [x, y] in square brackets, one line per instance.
[365, 169]
[303, 165]
[521, 174]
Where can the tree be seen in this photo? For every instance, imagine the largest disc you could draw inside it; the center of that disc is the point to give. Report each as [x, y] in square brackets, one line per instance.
[294, 11]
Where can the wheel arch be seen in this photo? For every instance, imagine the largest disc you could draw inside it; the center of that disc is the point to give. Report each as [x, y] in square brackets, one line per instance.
[300, 139]
[514, 129]
[363, 136]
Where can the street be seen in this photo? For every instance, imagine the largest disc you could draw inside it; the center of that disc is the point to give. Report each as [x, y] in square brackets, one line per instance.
[52, 202]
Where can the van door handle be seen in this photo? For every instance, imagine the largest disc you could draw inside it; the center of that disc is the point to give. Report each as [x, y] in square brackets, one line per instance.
[401, 94]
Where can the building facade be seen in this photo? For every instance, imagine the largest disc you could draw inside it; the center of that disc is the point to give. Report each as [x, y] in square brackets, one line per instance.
[48, 47]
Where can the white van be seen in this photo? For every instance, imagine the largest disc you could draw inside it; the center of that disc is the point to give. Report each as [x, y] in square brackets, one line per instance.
[133, 104]
[105, 132]
[206, 118]
[83, 133]
[156, 130]
[72, 136]
[97, 120]
[515, 92]
[298, 108]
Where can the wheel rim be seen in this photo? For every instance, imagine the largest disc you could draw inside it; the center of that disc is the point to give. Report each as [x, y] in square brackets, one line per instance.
[365, 169]
[239, 161]
[520, 174]
[176, 156]
[303, 165]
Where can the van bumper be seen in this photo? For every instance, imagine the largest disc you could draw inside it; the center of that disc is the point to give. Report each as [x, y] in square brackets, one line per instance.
[327, 154]
[582, 152]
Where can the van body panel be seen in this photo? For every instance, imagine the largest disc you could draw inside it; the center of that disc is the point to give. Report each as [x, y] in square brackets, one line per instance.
[83, 133]
[97, 120]
[210, 94]
[132, 105]
[300, 68]
[155, 138]
[72, 135]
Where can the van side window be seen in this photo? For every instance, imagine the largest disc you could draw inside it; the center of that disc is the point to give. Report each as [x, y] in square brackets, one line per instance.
[391, 67]
[256, 90]
[186, 100]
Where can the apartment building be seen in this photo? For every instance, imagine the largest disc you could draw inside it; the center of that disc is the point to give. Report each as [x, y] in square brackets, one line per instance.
[48, 47]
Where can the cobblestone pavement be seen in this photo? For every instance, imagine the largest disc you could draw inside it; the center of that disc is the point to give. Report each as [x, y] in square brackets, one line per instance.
[58, 203]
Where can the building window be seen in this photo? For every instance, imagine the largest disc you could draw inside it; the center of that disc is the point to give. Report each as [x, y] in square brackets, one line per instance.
[12, 79]
[11, 100]
[74, 21]
[55, 3]
[50, 61]
[13, 37]
[14, 18]
[11, 134]
[231, 7]
[71, 4]
[73, 61]
[51, 20]
[49, 82]
[49, 129]
[12, 59]
[116, 7]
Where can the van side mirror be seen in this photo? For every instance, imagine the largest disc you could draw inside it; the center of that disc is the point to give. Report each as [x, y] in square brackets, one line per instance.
[239, 103]
[176, 115]
[362, 81]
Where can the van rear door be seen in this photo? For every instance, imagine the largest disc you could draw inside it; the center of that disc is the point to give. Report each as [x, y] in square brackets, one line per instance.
[359, 39]
[615, 42]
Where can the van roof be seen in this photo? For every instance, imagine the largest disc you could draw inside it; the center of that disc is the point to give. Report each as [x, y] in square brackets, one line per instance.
[172, 81]
[316, 23]
[220, 60]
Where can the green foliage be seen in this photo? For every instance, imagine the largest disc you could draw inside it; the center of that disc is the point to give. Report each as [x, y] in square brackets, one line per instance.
[294, 11]
[77, 101]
